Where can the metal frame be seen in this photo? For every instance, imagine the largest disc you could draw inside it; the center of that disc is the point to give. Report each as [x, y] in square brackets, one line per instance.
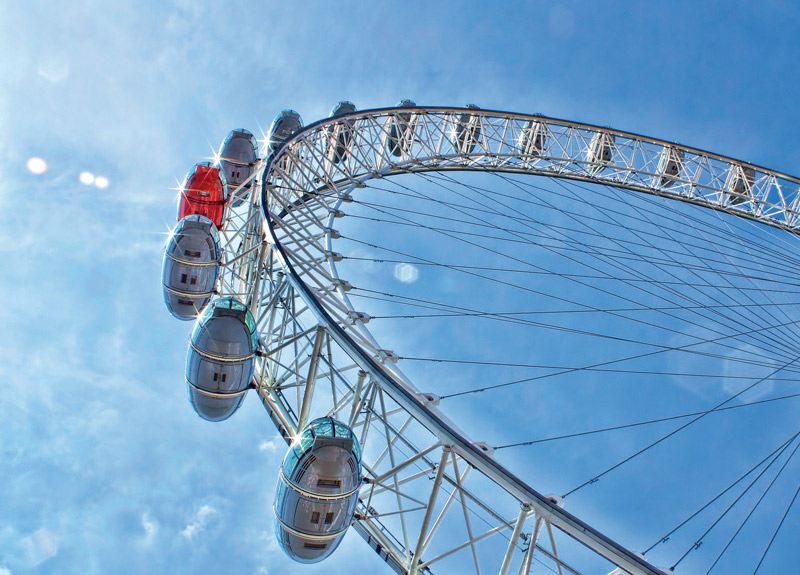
[316, 355]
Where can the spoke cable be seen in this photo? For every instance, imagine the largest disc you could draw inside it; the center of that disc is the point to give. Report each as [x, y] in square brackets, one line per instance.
[641, 423]
[673, 432]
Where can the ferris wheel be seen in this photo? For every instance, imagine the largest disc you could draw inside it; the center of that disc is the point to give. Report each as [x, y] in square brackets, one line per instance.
[577, 218]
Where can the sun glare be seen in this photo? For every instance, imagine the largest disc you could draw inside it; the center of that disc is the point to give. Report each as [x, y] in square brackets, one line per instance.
[86, 178]
[37, 166]
[101, 182]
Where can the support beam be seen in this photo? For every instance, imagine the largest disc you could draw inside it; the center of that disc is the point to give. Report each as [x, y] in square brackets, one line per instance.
[308, 394]
[525, 509]
[437, 482]
[525, 568]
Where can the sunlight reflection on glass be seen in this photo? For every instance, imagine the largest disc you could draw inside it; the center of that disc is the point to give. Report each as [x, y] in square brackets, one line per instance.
[37, 166]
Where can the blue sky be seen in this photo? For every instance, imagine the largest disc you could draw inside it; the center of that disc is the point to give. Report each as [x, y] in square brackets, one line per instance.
[103, 464]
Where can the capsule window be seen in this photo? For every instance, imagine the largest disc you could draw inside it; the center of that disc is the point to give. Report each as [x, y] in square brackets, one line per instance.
[183, 278]
[329, 482]
[185, 302]
[315, 517]
[192, 280]
[329, 518]
[191, 254]
[308, 545]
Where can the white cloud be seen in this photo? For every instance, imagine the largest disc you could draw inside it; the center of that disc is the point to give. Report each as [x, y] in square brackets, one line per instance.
[270, 446]
[150, 527]
[40, 546]
[269, 542]
[201, 519]
[54, 67]
[5, 571]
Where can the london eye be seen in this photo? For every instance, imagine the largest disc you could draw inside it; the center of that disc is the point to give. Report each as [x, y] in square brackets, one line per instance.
[447, 312]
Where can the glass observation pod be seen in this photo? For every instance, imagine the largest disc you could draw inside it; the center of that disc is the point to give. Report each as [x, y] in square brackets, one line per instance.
[533, 139]
[317, 490]
[739, 187]
[340, 135]
[285, 124]
[219, 364]
[191, 266]
[467, 131]
[401, 130]
[204, 192]
[237, 158]
[669, 165]
[601, 149]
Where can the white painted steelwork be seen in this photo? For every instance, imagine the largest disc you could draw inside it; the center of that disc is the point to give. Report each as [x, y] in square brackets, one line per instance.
[317, 356]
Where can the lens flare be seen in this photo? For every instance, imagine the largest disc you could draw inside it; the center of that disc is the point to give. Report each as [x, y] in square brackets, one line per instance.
[101, 182]
[406, 273]
[37, 166]
[86, 178]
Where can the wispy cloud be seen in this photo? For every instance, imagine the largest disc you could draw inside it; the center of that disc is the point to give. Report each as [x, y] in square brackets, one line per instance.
[270, 446]
[150, 527]
[40, 546]
[199, 523]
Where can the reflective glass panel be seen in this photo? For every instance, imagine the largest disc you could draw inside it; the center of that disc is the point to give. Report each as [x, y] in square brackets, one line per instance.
[323, 427]
[289, 464]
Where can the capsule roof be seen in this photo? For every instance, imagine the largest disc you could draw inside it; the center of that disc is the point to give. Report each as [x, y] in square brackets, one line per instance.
[285, 124]
[206, 177]
[226, 306]
[342, 108]
[197, 221]
[204, 191]
[324, 427]
[240, 146]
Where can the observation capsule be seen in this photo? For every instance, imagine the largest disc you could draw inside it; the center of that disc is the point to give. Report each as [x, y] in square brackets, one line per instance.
[533, 139]
[317, 490]
[285, 124]
[340, 135]
[219, 364]
[204, 191]
[401, 130]
[601, 148]
[191, 266]
[669, 165]
[237, 158]
[739, 187]
[467, 131]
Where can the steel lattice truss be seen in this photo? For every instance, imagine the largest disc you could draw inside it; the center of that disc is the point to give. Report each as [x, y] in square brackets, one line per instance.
[433, 500]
